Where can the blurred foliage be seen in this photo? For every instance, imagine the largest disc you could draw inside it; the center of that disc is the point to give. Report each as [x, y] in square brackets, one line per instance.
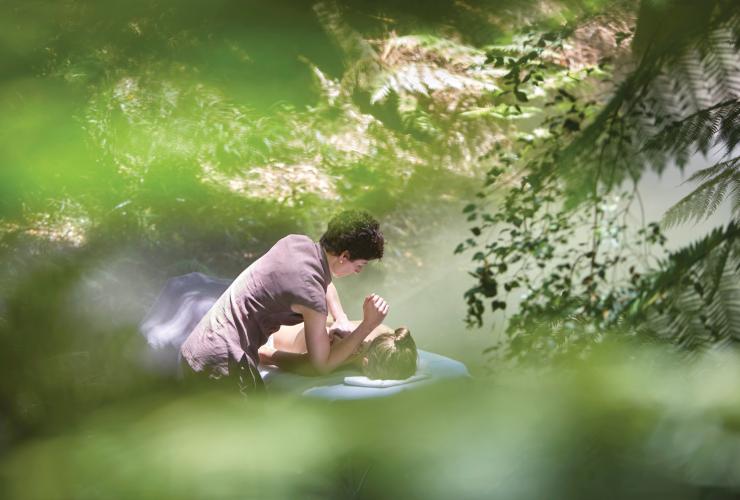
[627, 424]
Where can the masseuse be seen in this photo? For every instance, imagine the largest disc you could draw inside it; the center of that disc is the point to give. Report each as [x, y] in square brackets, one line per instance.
[290, 284]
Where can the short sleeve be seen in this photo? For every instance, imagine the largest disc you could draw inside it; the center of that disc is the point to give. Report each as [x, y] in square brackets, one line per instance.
[311, 294]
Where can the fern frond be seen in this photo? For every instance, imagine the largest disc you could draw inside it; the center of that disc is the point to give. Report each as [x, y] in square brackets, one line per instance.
[383, 91]
[328, 88]
[442, 52]
[689, 73]
[704, 128]
[351, 43]
[680, 263]
[719, 59]
[687, 329]
[702, 308]
[708, 172]
[725, 307]
[714, 268]
[423, 79]
[736, 202]
[705, 199]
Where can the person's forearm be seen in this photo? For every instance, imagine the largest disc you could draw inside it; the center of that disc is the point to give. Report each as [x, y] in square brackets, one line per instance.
[343, 349]
[333, 303]
[291, 361]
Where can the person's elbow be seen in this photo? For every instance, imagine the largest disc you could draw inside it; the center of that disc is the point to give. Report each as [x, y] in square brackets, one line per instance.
[321, 366]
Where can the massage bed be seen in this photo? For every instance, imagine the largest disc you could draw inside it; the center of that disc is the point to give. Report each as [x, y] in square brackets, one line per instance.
[186, 299]
[350, 384]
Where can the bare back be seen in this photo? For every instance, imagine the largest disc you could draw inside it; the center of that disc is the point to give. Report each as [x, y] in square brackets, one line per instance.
[293, 338]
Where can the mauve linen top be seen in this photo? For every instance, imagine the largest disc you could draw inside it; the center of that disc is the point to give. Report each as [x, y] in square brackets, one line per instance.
[294, 271]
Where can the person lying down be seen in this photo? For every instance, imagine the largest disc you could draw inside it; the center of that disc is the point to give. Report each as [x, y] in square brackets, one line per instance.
[385, 353]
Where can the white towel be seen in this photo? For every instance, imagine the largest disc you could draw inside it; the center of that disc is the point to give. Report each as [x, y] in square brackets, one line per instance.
[361, 381]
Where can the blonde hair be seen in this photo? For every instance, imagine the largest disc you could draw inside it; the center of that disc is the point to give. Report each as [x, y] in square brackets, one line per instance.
[391, 356]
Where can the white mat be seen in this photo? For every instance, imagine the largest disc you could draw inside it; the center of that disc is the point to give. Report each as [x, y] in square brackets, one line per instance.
[362, 381]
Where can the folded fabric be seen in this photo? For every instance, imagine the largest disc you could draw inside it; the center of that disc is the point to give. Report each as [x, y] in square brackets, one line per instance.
[361, 381]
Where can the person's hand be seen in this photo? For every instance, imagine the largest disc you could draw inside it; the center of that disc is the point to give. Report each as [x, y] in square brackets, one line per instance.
[265, 353]
[341, 328]
[374, 310]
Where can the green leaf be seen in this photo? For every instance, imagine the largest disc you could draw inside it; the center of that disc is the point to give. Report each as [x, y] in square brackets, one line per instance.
[571, 125]
[498, 304]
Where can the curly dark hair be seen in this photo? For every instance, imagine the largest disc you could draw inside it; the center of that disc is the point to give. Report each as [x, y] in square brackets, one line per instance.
[355, 231]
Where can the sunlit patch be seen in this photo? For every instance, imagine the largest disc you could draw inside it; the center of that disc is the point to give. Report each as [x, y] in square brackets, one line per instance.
[67, 224]
[286, 184]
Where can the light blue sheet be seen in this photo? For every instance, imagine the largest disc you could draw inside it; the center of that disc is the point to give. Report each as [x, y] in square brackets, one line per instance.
[434, 367]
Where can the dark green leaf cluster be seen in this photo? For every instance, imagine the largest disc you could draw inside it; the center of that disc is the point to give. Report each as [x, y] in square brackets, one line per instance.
[542, 258]
[680, 98]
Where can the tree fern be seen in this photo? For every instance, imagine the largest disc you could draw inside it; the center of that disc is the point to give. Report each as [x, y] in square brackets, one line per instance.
[681, 98]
